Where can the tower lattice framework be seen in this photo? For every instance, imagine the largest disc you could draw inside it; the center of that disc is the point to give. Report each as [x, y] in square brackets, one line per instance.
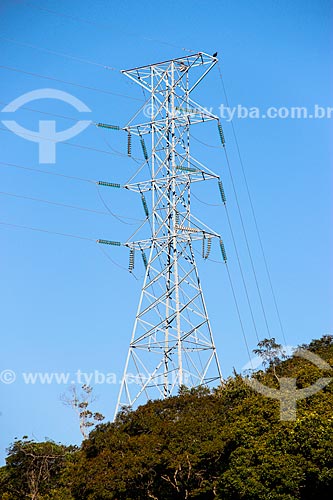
[172, 342]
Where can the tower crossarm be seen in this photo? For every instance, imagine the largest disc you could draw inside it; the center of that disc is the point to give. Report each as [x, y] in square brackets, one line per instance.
[184, 235]
[182, 118]
[182, 66]
[182, 178]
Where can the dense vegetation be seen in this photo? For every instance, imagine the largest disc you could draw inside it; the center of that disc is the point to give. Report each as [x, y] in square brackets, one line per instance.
[228, 444]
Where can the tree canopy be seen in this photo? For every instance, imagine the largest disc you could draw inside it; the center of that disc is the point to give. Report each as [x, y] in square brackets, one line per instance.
[225, 444]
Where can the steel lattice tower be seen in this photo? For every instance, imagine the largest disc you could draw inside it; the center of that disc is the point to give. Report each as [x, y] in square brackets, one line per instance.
[172, 342]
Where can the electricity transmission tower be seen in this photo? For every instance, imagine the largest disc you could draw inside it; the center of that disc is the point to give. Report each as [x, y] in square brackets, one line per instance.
[172, 342]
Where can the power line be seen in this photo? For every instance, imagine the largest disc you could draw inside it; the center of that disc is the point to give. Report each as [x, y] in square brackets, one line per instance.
[205, 143]
[45, 112]
[247, 243]
[242, 274]
[100, 247]
[95, 89]
[109, 212]
[235, 302]
[115, 151]
[65, 142]
[119, 153]
[104, 25]
[20, 226]
[239, 314]
[67, 235]
[61, 54]
[257, 229]
[252, 210]
[205, 202]
[49, 202]
[40, 171]
[118, 217]
[238, 261]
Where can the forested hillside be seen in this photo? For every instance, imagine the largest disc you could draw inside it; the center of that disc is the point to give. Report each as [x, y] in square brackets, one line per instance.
[227, 444]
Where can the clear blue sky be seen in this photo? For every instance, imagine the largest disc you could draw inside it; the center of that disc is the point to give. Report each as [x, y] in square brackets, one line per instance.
[64, 305]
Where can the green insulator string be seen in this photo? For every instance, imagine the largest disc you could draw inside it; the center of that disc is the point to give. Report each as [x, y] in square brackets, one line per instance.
[186, 169]
[144, 149]
[144, 204]
[222, 193]
[206, 250]
[129, 143]
[106, 125]
[108, 242]
[221, 134]
[209, 246]
[131, 260]
[109, 184]
[223, 252]
[144, 258]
